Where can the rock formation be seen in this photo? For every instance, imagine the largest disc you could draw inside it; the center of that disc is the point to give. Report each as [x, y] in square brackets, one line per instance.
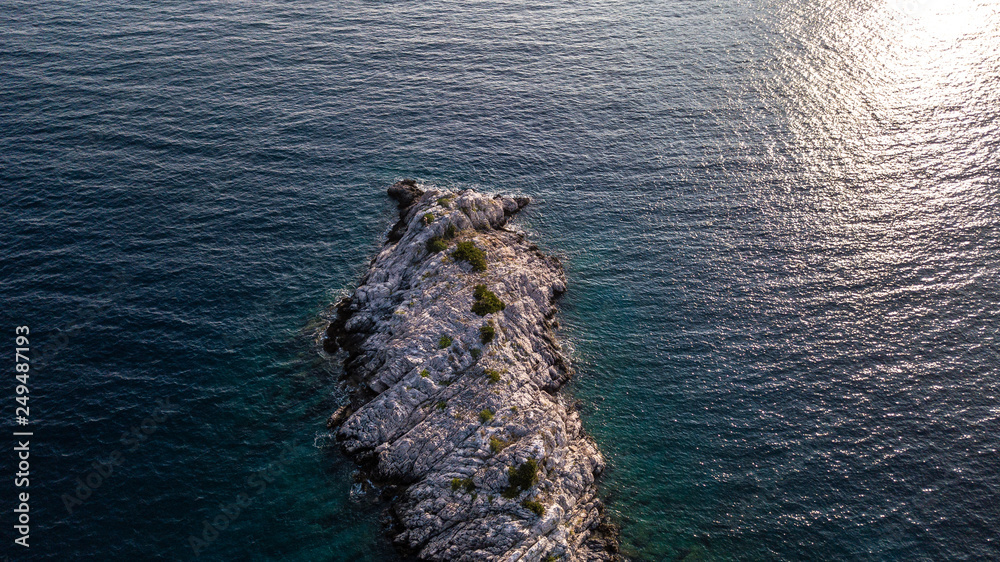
[454, 371]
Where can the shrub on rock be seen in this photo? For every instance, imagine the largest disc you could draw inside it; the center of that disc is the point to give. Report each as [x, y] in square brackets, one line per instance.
[487, 302]
[486, 415]
[535, 507]
[521, 478]
[459, 483]
[497, 444]
[487, 332]
[436, 244]
[467, 251]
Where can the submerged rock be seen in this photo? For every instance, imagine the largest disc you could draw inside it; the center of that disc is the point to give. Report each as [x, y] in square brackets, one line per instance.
[457, 409]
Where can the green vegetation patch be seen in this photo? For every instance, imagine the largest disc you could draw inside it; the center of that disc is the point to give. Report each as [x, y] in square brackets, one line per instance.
[521, 478]
[475, 352]
[487, 332]
[493, 375]
[445, 341]
[487, 302]
[442, 405]
[436, 244]
[497, 444]
[467, 251]
[428, 218]
[425, 373]
[535, 507]
[462, 483]
[486, 415]
[445, 201]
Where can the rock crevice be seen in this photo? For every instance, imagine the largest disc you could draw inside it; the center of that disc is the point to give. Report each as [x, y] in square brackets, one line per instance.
[456, 407]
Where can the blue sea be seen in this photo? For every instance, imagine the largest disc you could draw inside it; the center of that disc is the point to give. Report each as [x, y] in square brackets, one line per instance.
[780, 222]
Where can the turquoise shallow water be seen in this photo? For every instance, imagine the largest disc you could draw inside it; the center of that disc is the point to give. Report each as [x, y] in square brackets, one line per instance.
[779, 223]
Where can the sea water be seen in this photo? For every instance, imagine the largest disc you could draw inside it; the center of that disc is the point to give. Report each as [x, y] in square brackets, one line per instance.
[779, 222]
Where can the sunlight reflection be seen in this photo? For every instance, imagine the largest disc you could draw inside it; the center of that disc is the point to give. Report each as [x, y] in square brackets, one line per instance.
[933, 44]
[892, 92]
[946, 19]
[891, 113]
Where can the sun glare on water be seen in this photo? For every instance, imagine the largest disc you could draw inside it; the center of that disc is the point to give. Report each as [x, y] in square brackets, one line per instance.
[890, 108]
[881, 89]
[940, 17]
[939, 40]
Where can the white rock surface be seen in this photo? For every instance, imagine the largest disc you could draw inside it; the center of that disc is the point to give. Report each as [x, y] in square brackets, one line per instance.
[424, 434]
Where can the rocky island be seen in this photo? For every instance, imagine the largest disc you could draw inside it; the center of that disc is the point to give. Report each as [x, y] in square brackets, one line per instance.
[454, 372]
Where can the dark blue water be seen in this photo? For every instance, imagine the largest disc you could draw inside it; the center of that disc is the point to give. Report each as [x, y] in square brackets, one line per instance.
[779, 222]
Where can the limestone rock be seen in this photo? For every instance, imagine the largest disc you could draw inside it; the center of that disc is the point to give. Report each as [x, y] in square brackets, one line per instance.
[449, 419]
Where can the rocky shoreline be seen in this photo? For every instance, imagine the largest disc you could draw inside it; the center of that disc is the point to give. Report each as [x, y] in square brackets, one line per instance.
[453, 367]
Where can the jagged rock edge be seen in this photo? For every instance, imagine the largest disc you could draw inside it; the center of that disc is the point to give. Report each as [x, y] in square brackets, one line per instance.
[596, 538]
